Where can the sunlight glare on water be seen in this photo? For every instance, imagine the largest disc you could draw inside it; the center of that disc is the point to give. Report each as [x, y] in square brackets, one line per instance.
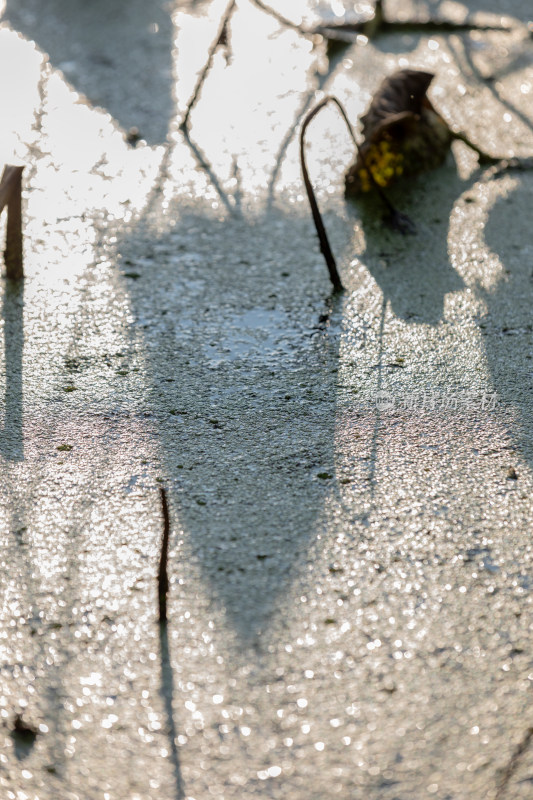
[18, 96]
[249, 99]
[79, 171]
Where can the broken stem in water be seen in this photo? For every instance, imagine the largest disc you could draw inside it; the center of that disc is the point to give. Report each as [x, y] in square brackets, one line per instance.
[11, 196]
[162, 575]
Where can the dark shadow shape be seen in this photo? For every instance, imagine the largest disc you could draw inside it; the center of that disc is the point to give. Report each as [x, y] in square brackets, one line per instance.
[203, 163]
[11, 439]
[508, 325]
[167, 695]
[244, 434]
[414, 261]
[133, 37]
[419, 263]
[23, 736]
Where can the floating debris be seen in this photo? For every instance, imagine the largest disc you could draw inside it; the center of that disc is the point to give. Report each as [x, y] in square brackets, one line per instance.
[133, 136]
[403, 135]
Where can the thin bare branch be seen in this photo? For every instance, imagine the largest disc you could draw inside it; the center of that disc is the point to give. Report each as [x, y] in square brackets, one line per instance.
[399, 221]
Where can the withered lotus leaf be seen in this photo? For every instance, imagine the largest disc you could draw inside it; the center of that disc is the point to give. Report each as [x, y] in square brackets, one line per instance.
[403, 135]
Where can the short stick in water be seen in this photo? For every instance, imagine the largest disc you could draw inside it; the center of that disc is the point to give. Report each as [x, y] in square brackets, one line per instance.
[162, 576]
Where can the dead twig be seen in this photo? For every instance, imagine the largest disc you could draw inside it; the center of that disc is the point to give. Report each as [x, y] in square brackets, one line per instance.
[162, 575]
[378, 23]
[11, 196]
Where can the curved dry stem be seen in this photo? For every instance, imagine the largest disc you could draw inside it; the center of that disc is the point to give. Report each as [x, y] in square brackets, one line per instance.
[317, 218]
[399, 221]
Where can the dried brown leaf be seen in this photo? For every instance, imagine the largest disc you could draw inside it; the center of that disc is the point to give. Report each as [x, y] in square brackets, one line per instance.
[403, 135]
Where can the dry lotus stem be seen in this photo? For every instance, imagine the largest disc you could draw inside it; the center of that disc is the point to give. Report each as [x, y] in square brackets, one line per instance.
[317, 217]
[399, 221]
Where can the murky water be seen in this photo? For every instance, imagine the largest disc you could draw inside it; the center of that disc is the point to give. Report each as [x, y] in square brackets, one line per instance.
[350, 563]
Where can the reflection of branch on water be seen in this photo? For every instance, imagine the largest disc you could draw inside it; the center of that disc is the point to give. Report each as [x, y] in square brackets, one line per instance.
[377, 424]
[203, 163]
[167, 679]
[167, 693]
[489, 83]
[11, 443]
[348, 32]
[206, 166]
[377, 24]
[321, 80]
[237, 194]
[221, 40]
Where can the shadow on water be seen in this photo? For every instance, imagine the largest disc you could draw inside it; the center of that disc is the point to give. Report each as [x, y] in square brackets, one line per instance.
[244, 430]
[85, 40]
[245, 380]
[167, 694]
[508, 325]
[413, 271]
[11, 441]
[238, 411]
[413, 275]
